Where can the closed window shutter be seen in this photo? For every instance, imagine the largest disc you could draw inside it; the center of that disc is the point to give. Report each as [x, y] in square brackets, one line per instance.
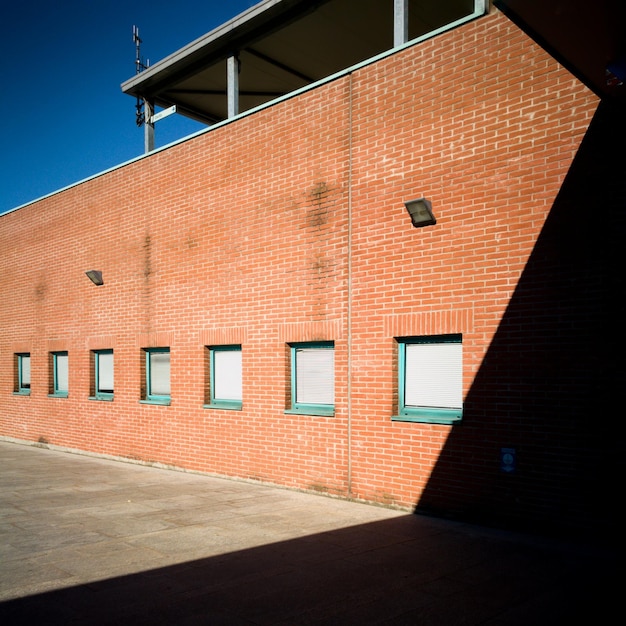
[105, 372]
[315, 376]
[160, 373]
[25, 371]
[62, 373]
[434, 375]
[227, 378]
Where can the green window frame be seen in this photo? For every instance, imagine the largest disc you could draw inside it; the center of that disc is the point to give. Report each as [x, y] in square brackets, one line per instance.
[225, 377]
[103, 374]
[430, 379]
[60, 374]
[312, 378]
[22, 371]
[158, 371]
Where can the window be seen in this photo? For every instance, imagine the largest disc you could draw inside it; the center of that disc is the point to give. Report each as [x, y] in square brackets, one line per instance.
[430, 379]
[157, 375]
[313, 378]
[22, 373]
[103, 374]
[225, 379]
[60, 375]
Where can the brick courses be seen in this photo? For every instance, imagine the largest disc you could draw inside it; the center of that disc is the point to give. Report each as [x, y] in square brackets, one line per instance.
[289, 225]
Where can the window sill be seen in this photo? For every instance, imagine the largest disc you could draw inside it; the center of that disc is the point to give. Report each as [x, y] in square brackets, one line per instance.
[58, 394]
[430, 416]
[316, 411]
[157, 402]
[102, 398]
[229, 406]
[22, 392]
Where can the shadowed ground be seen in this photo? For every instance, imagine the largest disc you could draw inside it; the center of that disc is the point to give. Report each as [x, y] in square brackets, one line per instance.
[90, 540]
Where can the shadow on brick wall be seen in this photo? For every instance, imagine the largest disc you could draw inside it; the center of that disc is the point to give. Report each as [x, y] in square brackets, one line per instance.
[542, 444]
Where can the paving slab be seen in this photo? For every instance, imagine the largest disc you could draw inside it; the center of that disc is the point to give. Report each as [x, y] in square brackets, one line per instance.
[90, 540]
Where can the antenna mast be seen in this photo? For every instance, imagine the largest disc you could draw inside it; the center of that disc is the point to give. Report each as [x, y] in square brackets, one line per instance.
[140, 66]
[144, 108]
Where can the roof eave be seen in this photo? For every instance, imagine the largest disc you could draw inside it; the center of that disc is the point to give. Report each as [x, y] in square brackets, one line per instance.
[219, 43]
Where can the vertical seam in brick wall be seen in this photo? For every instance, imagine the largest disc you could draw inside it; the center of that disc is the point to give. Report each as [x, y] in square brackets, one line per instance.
[349, 295]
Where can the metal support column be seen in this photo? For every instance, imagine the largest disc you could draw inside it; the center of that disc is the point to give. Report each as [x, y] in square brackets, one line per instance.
[400, 22]
[232, 87]
[148, 136]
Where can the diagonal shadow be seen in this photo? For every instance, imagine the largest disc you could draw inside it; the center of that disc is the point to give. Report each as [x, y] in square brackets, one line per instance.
[549, 388]
[405, 570]
[551, 383]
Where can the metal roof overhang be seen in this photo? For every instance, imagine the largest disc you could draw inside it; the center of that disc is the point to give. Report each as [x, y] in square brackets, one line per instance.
[282, 46]
[587, 38]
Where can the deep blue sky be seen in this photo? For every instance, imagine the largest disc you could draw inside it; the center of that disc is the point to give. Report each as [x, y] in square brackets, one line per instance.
[63, 116]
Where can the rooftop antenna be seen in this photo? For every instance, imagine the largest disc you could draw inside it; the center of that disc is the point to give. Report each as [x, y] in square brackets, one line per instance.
[140, 66]
[144, 108]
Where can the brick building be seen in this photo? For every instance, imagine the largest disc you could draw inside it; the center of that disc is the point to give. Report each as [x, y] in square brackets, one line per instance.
[269, 312]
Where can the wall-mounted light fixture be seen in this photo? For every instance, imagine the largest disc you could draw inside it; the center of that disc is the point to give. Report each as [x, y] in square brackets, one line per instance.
[421, 212]
[95, 276]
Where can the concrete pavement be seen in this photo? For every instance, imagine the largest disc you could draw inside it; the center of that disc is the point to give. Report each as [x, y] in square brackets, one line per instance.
[87, 540]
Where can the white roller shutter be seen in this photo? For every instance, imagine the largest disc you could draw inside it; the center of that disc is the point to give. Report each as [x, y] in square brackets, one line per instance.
[62, 372]
[160, 373]
[434, 375]
[25, 371]
[315, 376]
[227, 379]
[105, 372]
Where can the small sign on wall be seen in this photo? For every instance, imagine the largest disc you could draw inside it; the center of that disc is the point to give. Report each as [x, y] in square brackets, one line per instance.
[508, 459]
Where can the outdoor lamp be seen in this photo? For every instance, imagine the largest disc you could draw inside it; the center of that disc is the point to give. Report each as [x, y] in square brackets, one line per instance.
[95, 276]
[421, 212]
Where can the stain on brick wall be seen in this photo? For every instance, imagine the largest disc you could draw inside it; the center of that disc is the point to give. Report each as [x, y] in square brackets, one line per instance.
[289, 225]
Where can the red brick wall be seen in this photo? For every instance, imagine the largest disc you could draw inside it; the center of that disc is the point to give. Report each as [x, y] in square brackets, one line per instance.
[289, 225]
[484, 124]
